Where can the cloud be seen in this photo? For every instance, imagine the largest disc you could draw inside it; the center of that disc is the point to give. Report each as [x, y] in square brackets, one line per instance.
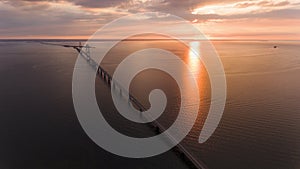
[83, 17]
[40, 18]
[276, 14]
[240, 8]
[261, 4]
[97, 3]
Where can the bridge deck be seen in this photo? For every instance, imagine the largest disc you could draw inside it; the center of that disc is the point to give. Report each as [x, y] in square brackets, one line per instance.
[103, 74]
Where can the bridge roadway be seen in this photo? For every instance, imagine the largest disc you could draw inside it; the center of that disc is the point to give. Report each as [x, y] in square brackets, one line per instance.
[104, 75]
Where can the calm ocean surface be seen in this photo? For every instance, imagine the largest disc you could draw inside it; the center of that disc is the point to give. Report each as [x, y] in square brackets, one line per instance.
[260, 128]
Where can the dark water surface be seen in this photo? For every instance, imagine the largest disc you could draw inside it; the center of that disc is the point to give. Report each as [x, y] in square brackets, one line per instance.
[259, 128]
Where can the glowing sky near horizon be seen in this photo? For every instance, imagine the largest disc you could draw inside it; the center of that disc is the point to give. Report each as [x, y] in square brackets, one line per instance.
[227, 19]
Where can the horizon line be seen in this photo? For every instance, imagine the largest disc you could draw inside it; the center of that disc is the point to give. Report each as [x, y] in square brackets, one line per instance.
[139, 39]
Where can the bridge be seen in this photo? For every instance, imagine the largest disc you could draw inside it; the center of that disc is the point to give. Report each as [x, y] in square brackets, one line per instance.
[84, 52]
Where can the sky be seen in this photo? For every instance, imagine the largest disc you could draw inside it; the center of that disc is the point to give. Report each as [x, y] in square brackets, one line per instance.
[217, 19]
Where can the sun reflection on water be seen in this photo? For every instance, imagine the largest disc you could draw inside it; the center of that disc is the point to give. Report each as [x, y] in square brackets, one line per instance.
[193, 59]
